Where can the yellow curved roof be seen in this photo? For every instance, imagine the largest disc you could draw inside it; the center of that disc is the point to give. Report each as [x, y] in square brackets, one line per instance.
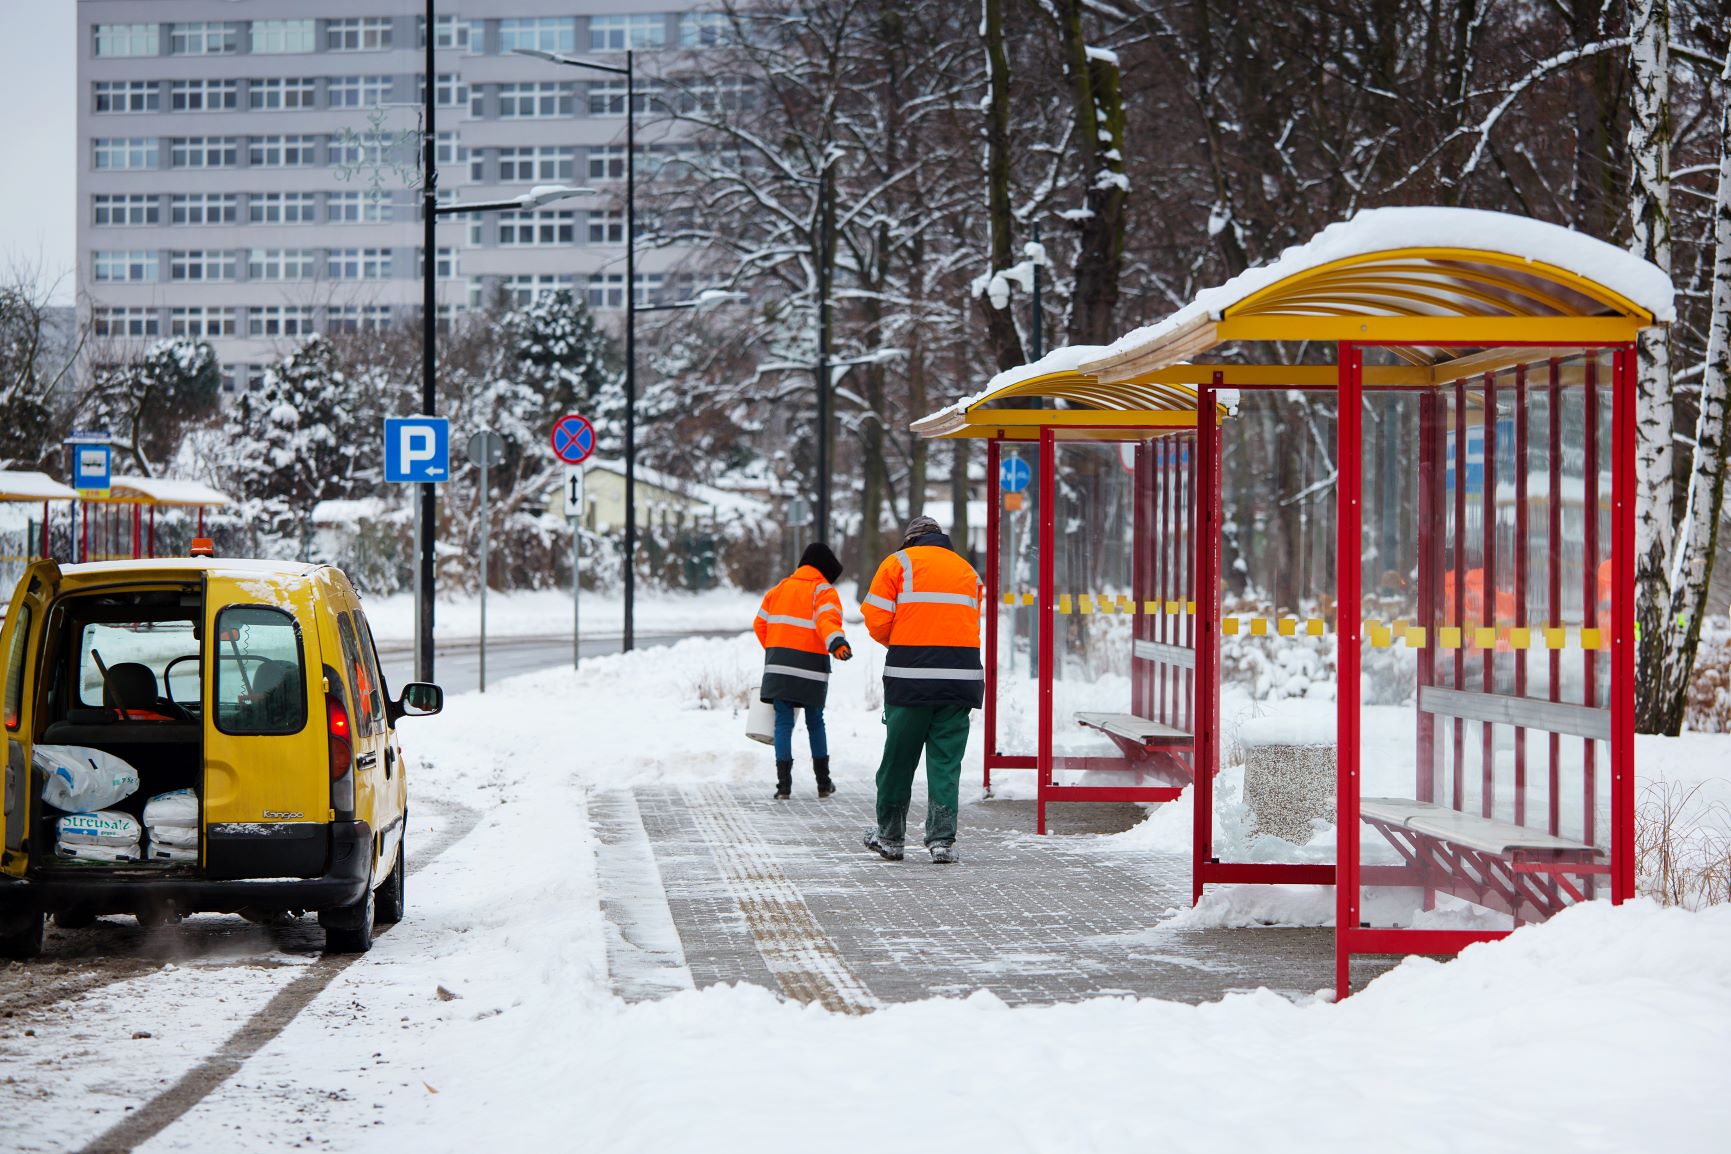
[1445, 289]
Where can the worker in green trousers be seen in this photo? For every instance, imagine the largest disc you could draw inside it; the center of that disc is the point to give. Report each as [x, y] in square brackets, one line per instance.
[941, 731]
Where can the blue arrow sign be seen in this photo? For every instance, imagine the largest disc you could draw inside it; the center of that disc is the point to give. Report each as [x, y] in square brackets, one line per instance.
[417, 449]
[1014, 475]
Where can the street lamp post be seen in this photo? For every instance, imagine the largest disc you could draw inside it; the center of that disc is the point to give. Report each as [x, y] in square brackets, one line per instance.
[426, 523]
[826, 227]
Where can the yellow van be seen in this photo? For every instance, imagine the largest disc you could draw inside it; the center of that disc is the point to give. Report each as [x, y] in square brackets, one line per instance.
[246, 696]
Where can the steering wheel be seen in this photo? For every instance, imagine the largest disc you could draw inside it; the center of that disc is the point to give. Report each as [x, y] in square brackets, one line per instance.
[168, 683]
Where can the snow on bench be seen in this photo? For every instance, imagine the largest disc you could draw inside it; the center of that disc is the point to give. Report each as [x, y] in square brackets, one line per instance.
[1486, 835]
[1140, 730]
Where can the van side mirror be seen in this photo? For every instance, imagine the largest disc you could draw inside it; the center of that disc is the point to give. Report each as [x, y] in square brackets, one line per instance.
[420, 699]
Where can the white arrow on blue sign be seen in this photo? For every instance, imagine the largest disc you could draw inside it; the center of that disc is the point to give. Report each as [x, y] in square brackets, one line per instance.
[417, 449]
[1014, 475]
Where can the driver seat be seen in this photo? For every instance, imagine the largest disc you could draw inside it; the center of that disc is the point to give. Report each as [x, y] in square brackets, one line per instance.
[129, 688]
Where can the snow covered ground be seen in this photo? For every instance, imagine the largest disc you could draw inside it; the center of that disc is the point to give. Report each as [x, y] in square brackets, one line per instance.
[547, 612]
[1605, 1029]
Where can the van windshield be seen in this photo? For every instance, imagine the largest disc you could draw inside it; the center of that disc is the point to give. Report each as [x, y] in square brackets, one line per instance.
[145, 668]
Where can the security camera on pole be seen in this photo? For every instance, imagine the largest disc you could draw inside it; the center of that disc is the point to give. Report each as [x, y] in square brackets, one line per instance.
[573, 440]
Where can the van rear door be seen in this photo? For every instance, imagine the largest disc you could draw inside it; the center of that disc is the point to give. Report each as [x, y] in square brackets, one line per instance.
[21, 652]
[266, 761]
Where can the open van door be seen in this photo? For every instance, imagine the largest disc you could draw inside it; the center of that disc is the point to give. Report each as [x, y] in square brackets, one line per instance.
[20, 665]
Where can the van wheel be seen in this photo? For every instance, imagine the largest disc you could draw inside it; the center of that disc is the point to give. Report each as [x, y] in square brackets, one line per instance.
[349, 929]
[388, 898]
[21, 935]
[74, 919]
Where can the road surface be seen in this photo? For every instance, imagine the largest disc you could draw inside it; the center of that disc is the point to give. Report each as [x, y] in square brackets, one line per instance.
[457, 664]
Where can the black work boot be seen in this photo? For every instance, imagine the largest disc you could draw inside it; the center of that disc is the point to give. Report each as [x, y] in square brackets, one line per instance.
[783, 780]
[820, 769]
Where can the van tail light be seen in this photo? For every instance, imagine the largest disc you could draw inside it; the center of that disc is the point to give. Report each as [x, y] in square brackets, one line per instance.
[342, 752]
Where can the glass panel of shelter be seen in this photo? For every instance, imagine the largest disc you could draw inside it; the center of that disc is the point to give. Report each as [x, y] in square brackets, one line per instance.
[1484, 784]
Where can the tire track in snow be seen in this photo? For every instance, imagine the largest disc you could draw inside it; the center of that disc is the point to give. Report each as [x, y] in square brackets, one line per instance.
[168, 1107]
[802, 957]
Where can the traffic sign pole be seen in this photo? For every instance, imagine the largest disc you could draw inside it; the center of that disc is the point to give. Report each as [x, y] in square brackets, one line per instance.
[573, 440]
[486, 522]
[574, 511]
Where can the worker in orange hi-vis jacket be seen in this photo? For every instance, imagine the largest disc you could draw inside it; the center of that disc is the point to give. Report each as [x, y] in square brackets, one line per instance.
[799, 627]
[924, 605]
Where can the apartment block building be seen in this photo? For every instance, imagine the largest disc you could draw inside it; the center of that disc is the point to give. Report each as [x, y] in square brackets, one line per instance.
[247, 167]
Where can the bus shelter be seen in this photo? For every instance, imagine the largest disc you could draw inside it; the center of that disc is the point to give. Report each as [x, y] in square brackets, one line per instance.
[122, 524]
[1468, 639]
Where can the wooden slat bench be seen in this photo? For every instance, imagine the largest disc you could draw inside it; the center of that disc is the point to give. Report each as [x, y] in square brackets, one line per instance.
[1493, 863]
[1152, 747]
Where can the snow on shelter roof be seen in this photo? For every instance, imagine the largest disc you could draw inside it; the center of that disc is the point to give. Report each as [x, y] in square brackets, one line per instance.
[33, 486]
[163, 491]
[1439, 282]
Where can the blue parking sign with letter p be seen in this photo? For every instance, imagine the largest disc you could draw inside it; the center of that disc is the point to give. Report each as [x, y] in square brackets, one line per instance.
[417, 449]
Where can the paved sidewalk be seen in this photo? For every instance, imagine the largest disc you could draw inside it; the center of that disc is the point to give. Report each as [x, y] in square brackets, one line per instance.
[781, 894]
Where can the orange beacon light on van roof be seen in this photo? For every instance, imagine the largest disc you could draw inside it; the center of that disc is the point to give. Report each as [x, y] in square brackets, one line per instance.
[202, 547]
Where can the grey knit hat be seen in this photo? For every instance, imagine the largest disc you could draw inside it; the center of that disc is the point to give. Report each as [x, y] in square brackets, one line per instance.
[919, 527]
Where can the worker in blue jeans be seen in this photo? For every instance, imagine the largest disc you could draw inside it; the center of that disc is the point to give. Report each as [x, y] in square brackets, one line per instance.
[799, 627]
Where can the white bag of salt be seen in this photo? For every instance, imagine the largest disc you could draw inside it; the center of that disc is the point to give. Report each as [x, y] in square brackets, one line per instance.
[81, 779]
[172, 853]
[178, 836]
[177, 808]
[101, 853]
[109, 827]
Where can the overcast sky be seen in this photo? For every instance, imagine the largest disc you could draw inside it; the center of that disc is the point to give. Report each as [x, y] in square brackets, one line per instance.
[38, 85]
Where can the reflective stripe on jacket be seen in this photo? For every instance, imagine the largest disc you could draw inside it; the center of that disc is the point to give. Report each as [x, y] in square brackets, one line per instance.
[924, 605]
[799, 626]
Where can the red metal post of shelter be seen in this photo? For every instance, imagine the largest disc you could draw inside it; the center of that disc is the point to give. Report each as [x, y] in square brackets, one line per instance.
[1488, 592]
[1623, 420]
[1554, 578]
[1205, 517]
[1347, 611]
[45, 528]
[994, 598]
[1429, 503]
[1590, 593]
[1520, 654]
[153, 530]
[1046, 605]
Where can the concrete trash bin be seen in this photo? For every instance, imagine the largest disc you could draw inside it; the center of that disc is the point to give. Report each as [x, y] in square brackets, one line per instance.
[1289, 774]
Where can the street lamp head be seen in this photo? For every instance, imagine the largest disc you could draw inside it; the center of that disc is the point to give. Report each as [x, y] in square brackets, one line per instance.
[545, 194]
[710, 298]
[556, 58]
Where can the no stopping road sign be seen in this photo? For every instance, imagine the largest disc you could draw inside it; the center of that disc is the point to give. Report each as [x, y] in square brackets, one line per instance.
[573, 439]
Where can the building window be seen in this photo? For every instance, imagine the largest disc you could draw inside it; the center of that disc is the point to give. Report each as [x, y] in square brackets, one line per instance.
[352, 150]
[127, 40]
[274, 37]
[606, 290]
[282, 94]
[520, 229]
[358, 34]
[116, 267]
[279, 264]
[449, 91]
[282, 151]
[280, 208]
[359, 91]
[359, 318]
[606, 228]
[607, 162]
[648, 288]
[359, 264]
[545, 163]
[702, 29]
[448, 32]
[203, 95]
[125, 152]
[124, 209]
[202, 265]
[127, 96]
[204, 152]
[536, 100]
[204, 208]
[357, 208]
[525, 290]
[617, 33]
[542, 33]
[125, 322]
[201, 322]
[210, 38]
[716, 94]
[279, 321]
[448, 151]
[607, 97]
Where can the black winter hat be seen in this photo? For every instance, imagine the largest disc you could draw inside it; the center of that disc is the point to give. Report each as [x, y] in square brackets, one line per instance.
[819, 557]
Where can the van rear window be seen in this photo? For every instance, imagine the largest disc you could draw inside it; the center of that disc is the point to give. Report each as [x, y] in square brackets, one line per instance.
[260, 674]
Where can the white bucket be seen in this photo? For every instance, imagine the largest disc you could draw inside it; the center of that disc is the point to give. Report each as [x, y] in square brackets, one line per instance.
[760, 719]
